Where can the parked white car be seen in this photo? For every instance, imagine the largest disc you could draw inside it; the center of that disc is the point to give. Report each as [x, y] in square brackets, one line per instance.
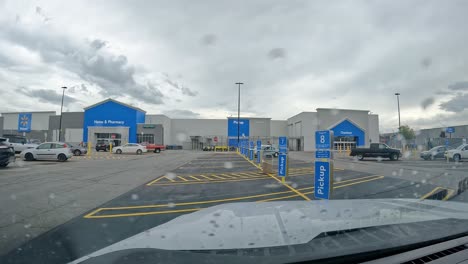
[48, 151]
[130, 148]
[457, 154]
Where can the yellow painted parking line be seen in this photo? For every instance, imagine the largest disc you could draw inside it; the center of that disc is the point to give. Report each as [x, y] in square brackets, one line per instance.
[376, 177]
[211, 181]
[144, 213]
[228, 176]
[449, 194]
[193, 177]
[169, 179]
[151, 182]
[280, 181]
[217, 177]
[93, 213]
[182, 178]
[206, 177]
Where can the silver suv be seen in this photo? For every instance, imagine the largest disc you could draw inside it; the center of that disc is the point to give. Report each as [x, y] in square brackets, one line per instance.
[17, 143]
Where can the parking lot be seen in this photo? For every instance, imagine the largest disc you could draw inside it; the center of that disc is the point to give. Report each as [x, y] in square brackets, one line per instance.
[85, 204]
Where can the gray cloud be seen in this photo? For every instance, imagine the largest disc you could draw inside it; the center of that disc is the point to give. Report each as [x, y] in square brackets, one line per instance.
[456, 104]
[183, 89]
[209, 39]
[181, 114]
[459, 86]
[98, 44]
[84, 88]
[277, 53]
[46, 96]
[112, 73]
[426, 62]
[427, 102]
[331, 50]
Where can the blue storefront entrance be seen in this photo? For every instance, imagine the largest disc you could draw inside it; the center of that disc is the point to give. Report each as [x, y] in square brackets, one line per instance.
[348, 134]
[114, 118]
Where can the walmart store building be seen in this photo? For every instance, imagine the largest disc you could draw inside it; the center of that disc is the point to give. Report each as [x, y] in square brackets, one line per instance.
[122, 123]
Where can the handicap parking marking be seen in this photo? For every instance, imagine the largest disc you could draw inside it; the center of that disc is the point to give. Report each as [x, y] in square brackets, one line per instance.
[227, 176]
[153, 209]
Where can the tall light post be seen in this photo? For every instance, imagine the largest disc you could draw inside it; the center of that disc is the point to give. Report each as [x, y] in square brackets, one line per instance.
[399, 120]
[238, 113]
[61, 109]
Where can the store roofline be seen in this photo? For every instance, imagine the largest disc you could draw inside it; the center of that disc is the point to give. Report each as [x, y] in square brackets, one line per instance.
[117, 102]
[32, 112]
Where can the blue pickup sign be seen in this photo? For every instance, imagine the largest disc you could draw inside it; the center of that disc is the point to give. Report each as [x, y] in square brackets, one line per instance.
[251, 150]
[259, 148]
[323, 139]
[323, 179]
[282, 165]
[450, 130]
[323, 154]
[283, 144]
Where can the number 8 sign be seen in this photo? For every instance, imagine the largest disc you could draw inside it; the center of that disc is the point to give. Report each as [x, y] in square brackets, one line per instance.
[323, 139]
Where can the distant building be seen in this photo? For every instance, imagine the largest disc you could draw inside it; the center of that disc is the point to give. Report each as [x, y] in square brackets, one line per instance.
[122, 123]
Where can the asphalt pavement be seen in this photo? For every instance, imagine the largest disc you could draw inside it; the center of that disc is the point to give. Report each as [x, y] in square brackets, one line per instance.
[197, 180]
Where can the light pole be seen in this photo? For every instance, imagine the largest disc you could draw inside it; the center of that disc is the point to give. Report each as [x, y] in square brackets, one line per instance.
[399, 120]
[61, 109]
[238, 113]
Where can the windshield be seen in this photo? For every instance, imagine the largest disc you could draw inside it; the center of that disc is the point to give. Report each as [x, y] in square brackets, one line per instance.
[222, 131]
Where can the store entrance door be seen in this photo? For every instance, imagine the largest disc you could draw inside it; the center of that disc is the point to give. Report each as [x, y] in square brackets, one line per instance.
[344, 143]
[115, 138]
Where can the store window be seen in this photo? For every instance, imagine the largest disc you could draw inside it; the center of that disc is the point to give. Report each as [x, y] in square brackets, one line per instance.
[145, 138]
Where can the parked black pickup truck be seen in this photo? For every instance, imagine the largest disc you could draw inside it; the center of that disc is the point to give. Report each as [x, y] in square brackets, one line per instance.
[376, 150]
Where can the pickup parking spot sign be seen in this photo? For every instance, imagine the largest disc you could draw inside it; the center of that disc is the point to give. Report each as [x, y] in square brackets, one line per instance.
[323, 179]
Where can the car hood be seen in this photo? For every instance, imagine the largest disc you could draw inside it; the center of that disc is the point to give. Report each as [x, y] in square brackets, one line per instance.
[253, 225]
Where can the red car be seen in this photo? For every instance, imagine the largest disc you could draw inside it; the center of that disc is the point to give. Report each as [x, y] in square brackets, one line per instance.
[153, 147]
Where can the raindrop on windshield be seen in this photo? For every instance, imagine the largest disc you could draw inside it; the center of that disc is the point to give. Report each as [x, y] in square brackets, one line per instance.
[338, 178]
[163, 236]
[170, 205]
[418, 185]
[181, 137]
[394, 173]
[171, 175]
[135, 196]
[334, 111]
[294, 185]
[13, 197]
[104, 225]
[27, 226]
[52, 196]
[251, 244]
[272, 185]
[423, 181]
[446, 174]
[216, 214]
[323, 211]
[228, 165]
[211, 234]
[379, 159]
[414, 172]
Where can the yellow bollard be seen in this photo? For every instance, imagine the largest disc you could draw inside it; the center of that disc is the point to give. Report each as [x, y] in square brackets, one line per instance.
[89, 149]
[110, 148]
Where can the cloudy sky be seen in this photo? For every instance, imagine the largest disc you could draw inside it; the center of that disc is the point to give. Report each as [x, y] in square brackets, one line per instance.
[182, 58]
